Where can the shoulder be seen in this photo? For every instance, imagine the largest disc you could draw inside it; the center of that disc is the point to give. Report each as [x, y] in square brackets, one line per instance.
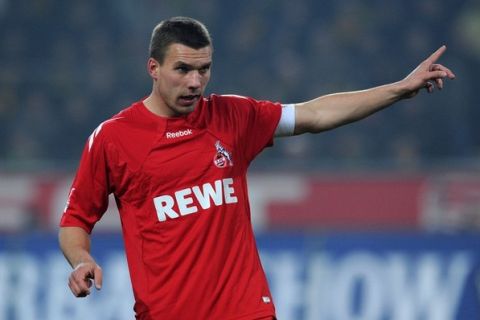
[120, 126]
[231, 104]
[237, 104]
[235, 111]
[239, 100]
[103, 131]
[231, 99]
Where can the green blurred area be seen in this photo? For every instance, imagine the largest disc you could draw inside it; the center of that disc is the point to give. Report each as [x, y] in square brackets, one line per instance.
[68, 65]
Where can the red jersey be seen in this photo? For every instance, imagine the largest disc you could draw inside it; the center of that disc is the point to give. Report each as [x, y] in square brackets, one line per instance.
[180, 187]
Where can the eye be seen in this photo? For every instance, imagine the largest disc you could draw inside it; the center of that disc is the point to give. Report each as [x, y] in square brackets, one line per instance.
[182, 69]
[203, 70]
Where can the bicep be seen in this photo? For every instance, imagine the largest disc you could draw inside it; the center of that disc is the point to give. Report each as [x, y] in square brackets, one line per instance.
[305, 118]
[321, 114]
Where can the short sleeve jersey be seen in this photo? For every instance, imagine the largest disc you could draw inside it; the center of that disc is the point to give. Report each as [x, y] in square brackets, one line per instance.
[180, 187]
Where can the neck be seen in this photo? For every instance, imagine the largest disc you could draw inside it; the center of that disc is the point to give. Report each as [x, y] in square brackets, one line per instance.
[154, 105]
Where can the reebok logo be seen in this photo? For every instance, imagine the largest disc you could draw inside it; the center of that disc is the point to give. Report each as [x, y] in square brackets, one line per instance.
[178, 134]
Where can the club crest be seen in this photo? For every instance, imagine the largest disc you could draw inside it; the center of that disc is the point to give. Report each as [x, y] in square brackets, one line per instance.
[223, 157]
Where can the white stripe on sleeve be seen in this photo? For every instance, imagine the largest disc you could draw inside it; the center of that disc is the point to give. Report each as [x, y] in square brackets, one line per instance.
[286, 125]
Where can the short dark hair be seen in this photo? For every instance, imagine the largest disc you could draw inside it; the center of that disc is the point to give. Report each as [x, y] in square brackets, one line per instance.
[183, 30]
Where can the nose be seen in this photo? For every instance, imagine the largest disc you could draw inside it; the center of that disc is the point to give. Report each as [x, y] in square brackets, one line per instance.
[194, 80]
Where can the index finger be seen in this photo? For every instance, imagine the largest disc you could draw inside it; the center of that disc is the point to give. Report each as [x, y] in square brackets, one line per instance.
[437, 54]
[97, 277]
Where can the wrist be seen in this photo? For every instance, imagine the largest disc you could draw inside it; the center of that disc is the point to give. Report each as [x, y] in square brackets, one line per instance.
[400, 90]
[83, 258]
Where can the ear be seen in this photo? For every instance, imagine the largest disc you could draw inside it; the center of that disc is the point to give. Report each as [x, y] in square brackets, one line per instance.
[152, 68]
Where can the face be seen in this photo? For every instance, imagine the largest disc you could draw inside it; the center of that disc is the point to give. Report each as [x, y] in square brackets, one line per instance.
[181, 79]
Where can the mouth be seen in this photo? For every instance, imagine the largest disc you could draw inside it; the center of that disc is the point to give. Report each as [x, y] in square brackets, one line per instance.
[188, 100]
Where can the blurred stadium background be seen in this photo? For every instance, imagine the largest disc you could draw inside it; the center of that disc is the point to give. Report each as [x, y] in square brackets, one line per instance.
[376, 220]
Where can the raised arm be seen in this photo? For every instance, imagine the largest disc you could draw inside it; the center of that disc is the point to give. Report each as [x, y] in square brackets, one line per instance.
[75, 245]
[334, 110]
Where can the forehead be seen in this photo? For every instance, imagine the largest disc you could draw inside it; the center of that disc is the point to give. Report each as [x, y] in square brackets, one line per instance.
[178, 52]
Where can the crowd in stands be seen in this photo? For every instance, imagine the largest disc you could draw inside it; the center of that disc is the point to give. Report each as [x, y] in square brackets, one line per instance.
[65, 66]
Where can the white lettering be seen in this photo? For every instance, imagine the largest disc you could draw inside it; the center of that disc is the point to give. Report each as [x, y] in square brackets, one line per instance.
[34, 286]
[19, 277]
[209, 193]
[359, 272]
[222, 189]
[305, 284]
[178, 134]
[354, 286]
[183, 202]
[228, 191]
[318, 300]
[285, 271]
[164, 205]
[428, 292]
[4, 287]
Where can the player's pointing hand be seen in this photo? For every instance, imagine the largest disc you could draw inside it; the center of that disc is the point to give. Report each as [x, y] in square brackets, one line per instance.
[428, 75]
[81, 278]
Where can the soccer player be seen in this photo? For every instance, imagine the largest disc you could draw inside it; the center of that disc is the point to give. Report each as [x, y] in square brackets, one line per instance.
[176, 163]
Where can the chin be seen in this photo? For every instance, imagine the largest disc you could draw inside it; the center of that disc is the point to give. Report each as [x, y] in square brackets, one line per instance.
[184, 110]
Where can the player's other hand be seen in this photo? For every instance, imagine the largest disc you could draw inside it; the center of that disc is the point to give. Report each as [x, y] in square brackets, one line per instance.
[428, 75]
[82, 277]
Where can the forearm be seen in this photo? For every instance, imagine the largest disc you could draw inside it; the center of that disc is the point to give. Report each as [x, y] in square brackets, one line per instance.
[334, 110]
[75, 245]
